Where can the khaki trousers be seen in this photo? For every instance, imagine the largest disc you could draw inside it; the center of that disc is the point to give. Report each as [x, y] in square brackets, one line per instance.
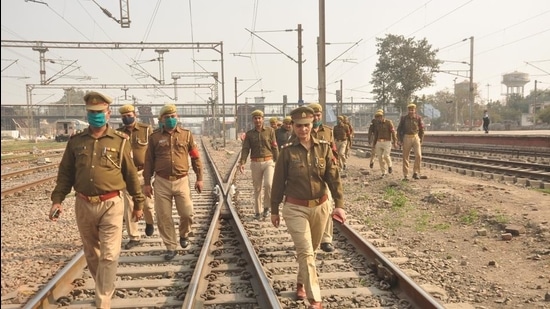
[383, 150]
[262, 179]
[411, 142]
[306, 225]
[165, 192]
[132, 227]
[100, 227]
[341, 146]
[329, 228]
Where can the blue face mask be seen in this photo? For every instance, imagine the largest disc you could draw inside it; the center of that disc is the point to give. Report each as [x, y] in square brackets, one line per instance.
[128, 120]
[317, 124]
[170, 123]
[97, 119]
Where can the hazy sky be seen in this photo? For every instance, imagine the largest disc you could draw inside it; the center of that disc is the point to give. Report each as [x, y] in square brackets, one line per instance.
[508, 36]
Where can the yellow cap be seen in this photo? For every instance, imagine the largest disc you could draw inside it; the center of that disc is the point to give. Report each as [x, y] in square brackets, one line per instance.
[316, 107]
[379, 113]
[126, 109]
[287, 120]
[96, 101]
[167, 109]
[302, 115]
[273, 120]
[257, 113]
[412, 105]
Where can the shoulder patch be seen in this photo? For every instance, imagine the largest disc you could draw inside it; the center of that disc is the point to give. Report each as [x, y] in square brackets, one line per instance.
[122, 134]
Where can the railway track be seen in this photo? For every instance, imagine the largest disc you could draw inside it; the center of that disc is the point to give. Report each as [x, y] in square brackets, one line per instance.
[534, 174]
[235, 261]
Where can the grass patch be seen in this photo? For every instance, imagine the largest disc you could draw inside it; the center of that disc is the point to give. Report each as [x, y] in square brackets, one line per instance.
[471, 217]
[422, 222]
[360, 198]
[442, 226]
[546, 190]
[396, 197]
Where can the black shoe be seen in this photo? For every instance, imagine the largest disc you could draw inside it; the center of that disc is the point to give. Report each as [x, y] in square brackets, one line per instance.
[132, 243]
[371, 165]
[257, 216]
[170, 255]
[405, 178]
[266, 213]
[184, 242]
[149, 229]
[390, 170]
[327, 247]
[415, 176]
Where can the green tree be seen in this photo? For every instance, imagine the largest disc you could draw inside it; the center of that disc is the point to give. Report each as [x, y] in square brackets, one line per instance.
[404, 66]
[544, 115]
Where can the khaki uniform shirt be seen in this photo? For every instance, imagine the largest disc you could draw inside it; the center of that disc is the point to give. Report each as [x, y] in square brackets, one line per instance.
[410, 125]
[305, 175]
[98, 166]
[139, 138]
[341, 132]
[384, 130]
[168, 154]
[259, 144]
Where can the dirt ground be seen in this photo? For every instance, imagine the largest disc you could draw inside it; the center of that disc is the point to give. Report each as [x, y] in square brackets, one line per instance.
[486, 242]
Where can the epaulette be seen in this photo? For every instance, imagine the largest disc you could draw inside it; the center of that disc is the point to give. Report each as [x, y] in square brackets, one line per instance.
[286, 145]
[122, 134]
[327, 127]
[143, 125]
[78, 132]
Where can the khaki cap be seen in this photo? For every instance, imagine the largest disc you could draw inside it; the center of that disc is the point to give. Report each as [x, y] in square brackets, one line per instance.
[96, 101]
[126, 109]
[379, 113]
[257, 113]
[316, 107]
[273, 120]
[167, 109]
[340, 118]
[412, 105]
[302, 115]
[287, 120]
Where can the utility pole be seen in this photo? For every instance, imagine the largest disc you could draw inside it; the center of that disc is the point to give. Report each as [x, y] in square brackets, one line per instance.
[300, 98]
[321, 61]
[236, 115]
[456, 105]
[471, 99]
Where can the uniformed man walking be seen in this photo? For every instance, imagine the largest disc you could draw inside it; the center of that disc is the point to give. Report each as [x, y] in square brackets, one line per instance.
[410, 132]
[304, 173]
[167, 158]
[97, 163]
[350, 139]
[341, 135]
[284, 132]
[261, 143]
[323, 132]
[139, 138]
[385, 136]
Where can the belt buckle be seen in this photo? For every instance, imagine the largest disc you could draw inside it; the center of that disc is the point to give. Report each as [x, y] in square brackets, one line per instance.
[94, 199]
[172, 178]
[312, 203]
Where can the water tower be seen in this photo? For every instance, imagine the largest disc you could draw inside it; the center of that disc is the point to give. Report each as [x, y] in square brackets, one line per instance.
[515, 82]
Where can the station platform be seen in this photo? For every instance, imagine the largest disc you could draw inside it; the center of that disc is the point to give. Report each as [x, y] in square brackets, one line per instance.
[527, 138]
